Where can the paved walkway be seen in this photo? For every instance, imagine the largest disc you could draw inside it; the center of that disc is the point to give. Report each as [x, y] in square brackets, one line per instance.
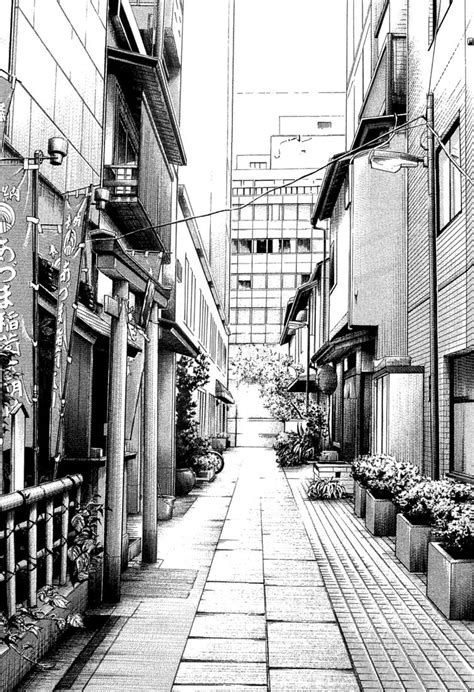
[259, 589]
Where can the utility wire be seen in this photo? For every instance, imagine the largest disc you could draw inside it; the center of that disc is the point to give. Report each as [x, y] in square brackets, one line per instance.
[449, 155]
[345, 155]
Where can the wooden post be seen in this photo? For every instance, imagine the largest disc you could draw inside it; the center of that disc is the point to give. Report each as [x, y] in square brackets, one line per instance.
[10, 563]
[150, 441]
[115, 445]
[49, 540]
[32, 555]
[64, 536]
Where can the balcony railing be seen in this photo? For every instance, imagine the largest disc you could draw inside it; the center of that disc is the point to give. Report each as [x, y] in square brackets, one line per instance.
[35, 525]
[386, 94]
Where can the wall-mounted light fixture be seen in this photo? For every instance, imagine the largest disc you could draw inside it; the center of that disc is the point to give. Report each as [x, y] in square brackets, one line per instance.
[101, 197]
[392, 161]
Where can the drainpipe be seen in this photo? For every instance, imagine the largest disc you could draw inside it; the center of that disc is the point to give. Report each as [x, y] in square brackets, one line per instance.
[114, 494]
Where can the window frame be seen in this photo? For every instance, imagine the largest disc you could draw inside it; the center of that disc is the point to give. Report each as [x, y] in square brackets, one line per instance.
[451, 171]
[453, 400]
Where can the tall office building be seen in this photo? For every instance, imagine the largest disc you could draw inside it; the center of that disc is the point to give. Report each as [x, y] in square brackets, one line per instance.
[274, 247]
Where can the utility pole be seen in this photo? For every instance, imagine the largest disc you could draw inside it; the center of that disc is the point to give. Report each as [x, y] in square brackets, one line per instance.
[433, 289]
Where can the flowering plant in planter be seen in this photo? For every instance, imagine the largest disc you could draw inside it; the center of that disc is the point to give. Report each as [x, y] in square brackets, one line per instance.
[455, 530]
[427, 501]
[369, 466]
[392, 478]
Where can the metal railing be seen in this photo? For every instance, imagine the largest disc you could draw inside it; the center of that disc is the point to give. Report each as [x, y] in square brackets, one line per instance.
[35, 525]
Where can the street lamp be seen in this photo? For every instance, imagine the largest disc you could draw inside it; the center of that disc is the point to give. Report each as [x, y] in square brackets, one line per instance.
[393, 161]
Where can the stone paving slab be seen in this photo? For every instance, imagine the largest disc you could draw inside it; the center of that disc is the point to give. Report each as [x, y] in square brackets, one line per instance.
[230, 650]
[237, 566]
[221, 597]
[292, 573]
[229, 625]
[306, 645]
[220, 688]
[222, 673]
[312, 681]
[298, 604]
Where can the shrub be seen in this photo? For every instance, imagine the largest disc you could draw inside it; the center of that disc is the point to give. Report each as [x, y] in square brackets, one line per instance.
[284, 447]
[455, 531]
[426, 501]
[325, 489]
[384, 476]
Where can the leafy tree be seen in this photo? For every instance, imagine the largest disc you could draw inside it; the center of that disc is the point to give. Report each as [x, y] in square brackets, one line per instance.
[190, 375]
[272, 372]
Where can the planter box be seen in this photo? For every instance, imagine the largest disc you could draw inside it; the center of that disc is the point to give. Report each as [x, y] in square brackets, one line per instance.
[380, 516]
[208, 475]
[14, 667]
[359, 499]
[338, 470]
[411, 546]
[450, 583]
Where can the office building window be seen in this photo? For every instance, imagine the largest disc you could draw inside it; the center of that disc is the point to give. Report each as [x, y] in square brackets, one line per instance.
[290, 212]
[284, 245]
[258, 280]
[263, 246]
[274, 281]
[449, 178]
[258, 316]
[289, 280]
[235, 247]
[462, 429]
[261, 212]
[304, 278]
[244, 247]
[303, 244]
[273, 316]
[332, 265]
[276, 212]
[244, 282]
[243, 316]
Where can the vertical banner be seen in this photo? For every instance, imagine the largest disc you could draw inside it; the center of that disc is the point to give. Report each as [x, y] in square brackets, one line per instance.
[75, 219]
[6, 93]
[16, 289]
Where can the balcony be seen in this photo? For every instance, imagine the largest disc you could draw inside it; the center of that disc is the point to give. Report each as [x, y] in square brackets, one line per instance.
[173, 35]
[386, 94]
[127, 205]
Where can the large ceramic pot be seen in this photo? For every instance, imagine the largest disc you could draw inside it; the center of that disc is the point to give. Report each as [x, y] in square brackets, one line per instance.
[359, 499]
[449, 583]
[380, 516]
[185, 481]
[411, 544]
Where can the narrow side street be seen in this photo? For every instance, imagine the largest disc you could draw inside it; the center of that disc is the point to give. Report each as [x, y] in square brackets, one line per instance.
[259, 589]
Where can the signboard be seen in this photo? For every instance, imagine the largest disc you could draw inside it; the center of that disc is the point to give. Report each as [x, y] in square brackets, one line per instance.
[75, 217]
[17, 227]
[6, 92]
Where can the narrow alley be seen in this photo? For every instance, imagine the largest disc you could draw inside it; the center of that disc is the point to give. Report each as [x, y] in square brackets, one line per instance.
[257, 588]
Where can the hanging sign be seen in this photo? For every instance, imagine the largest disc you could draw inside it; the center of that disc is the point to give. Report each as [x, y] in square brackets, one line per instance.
[17, 227]
[75, 219]
[6, 92]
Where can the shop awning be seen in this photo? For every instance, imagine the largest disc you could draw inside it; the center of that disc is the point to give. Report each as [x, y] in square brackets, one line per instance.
[145, 74]
[174, 338]
[337, 348]
[299, 384]
[223, 393]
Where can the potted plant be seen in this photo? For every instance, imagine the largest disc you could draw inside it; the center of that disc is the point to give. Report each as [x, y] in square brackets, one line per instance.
[204, 468]
[389, 478]
[420, 507]
[450, 574]
[303, 445]
[190, 375]
[361, 469]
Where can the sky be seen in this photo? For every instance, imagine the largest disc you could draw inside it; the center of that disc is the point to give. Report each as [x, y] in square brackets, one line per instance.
[286, 54]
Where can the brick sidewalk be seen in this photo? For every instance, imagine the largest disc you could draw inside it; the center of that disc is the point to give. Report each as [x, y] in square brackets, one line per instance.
[396, 638]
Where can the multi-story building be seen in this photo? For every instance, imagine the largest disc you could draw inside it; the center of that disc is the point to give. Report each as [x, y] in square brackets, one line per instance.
[440, 63]
[362, 282]
[274, 246]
